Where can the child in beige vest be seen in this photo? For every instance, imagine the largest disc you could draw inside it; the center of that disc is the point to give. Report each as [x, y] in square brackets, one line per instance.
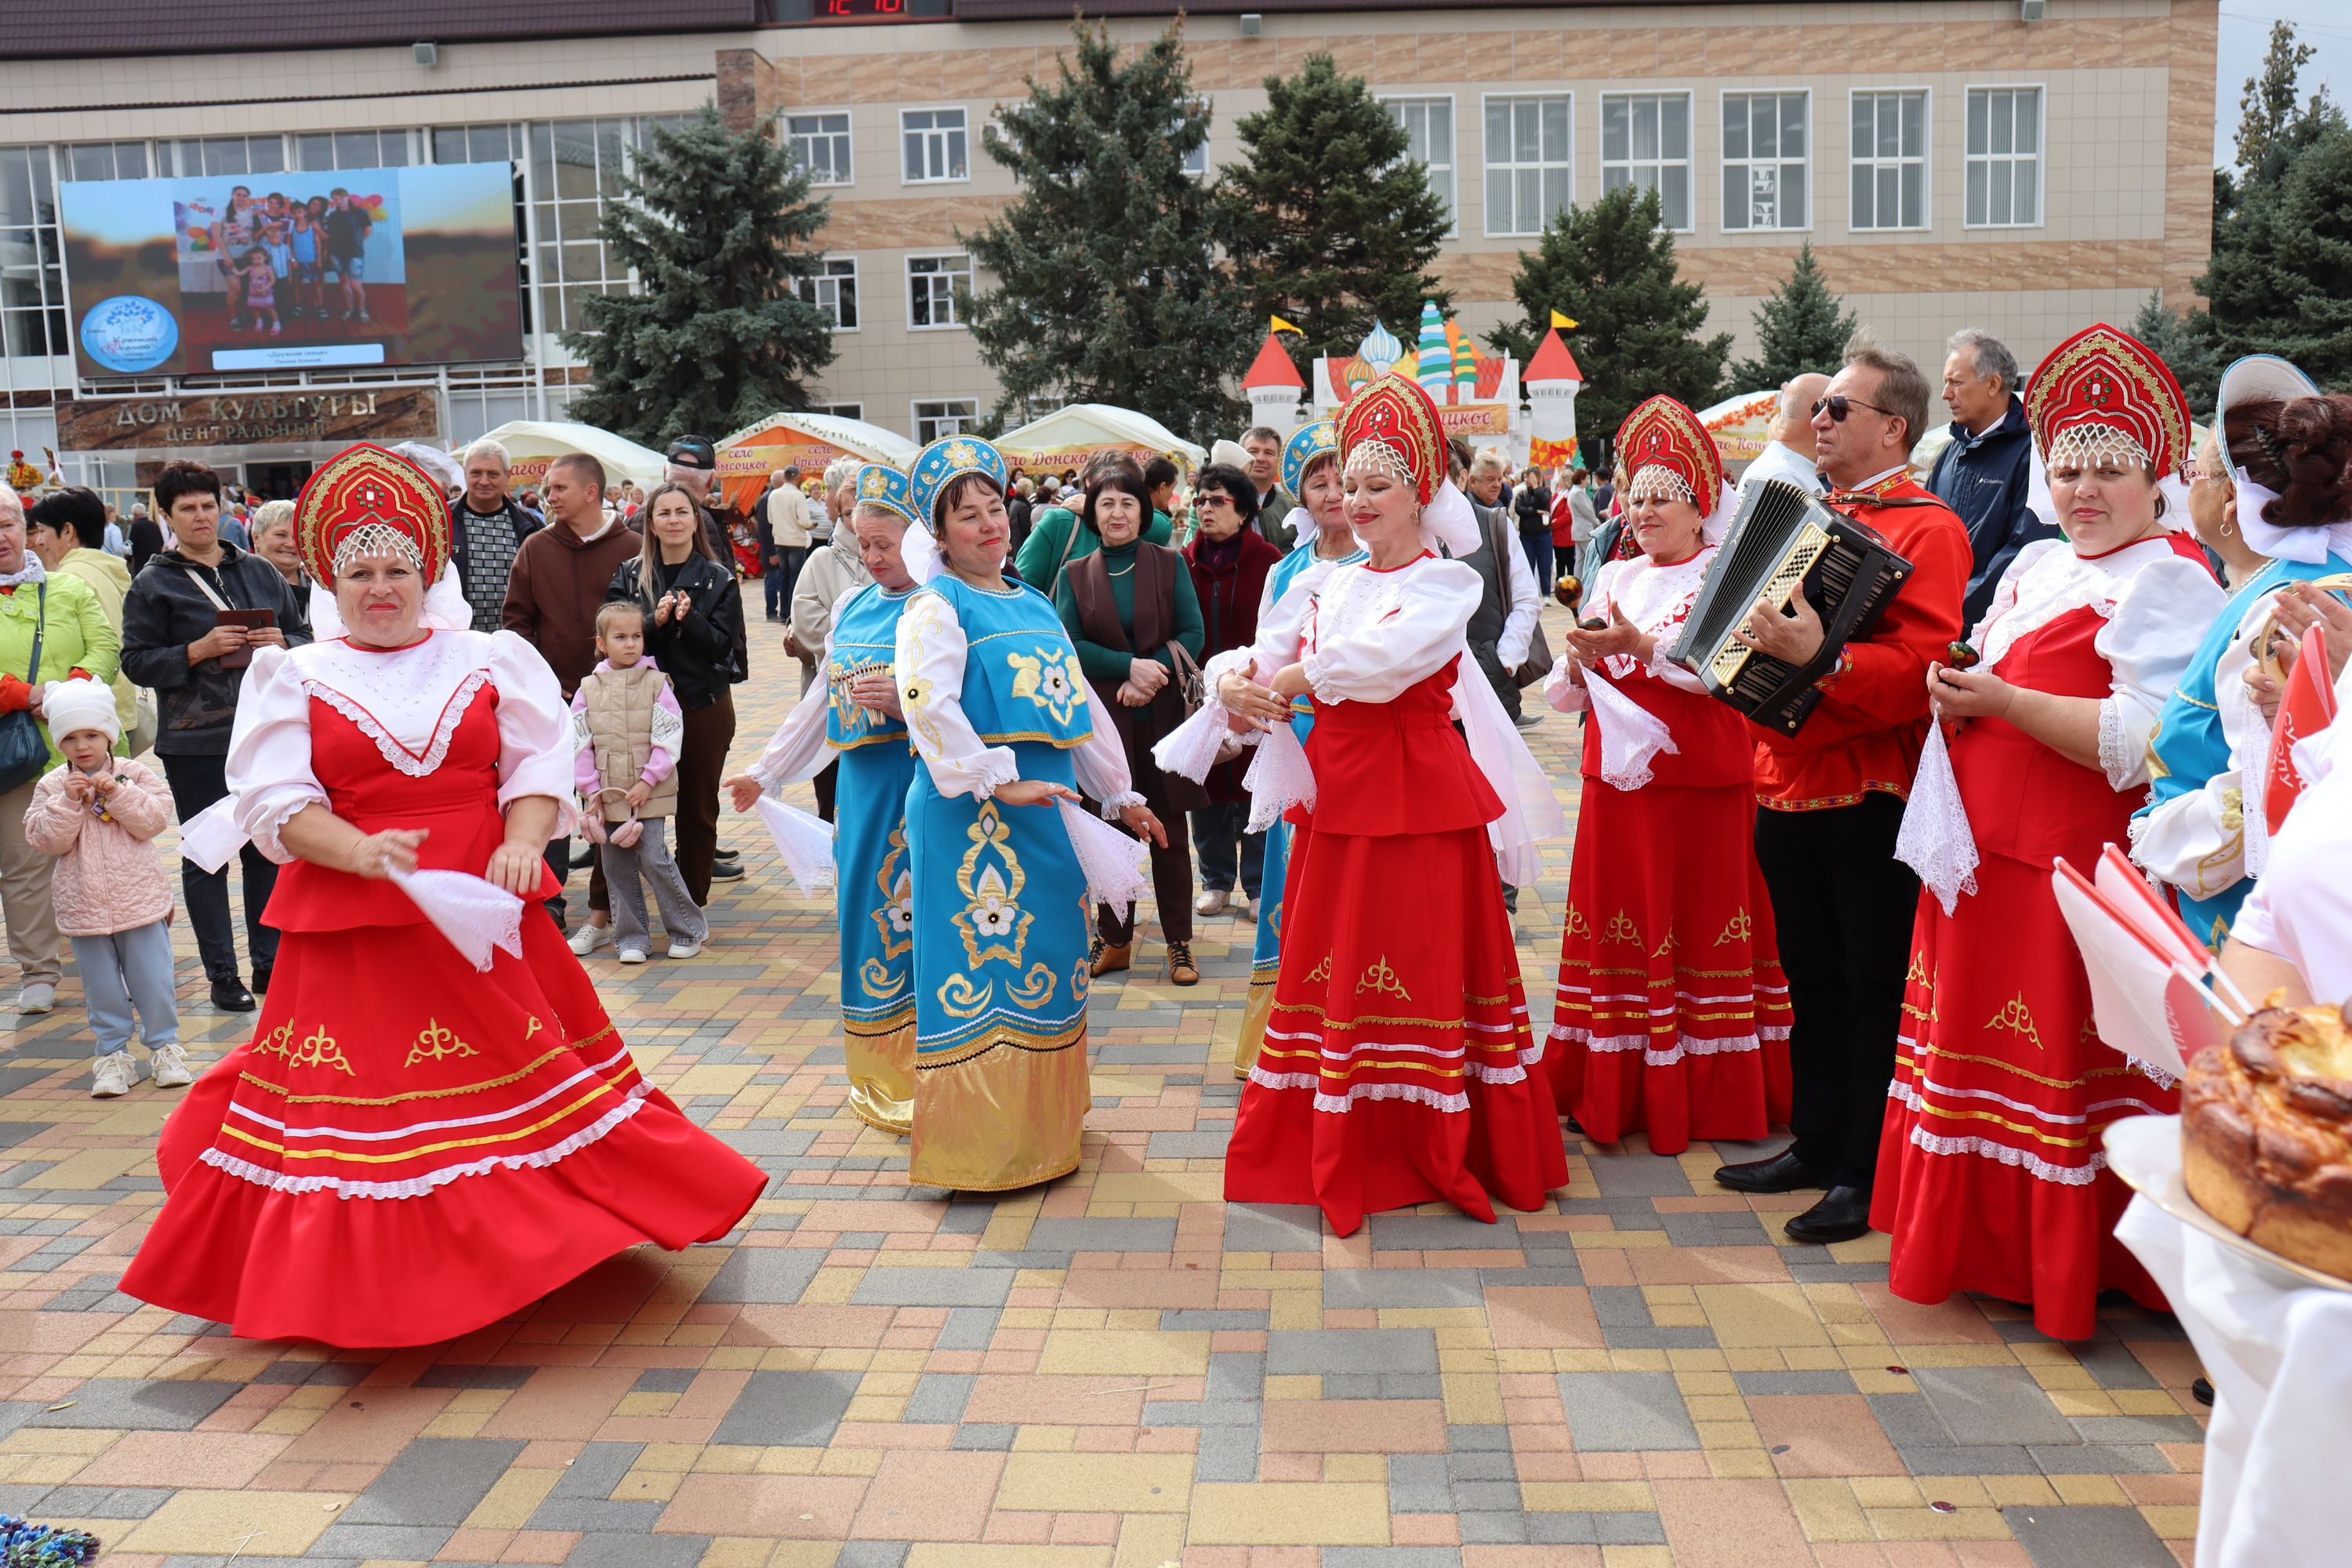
[627, 726]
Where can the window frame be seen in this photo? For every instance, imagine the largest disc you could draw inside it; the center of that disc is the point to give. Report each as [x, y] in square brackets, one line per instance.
[1811, 160]
[1689, 159]
[914, 417]
[848, 138]
[2040, 91]
[1926, 222]
[907, 269]
[1453, 165]
[904, 111]
[856, 410]
[1486, 162]
[856, 279]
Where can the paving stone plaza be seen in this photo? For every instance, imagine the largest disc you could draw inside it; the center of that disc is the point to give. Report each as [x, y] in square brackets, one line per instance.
[1119, 1371]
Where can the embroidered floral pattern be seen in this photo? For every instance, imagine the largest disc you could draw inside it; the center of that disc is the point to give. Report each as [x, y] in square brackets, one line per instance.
[318, 1050]
[961, 999]
[1050, 677]
[2017, 1018]
[895, 916]
[993, 925]
[435, 1043]
[1740, 928]
[1380, 977]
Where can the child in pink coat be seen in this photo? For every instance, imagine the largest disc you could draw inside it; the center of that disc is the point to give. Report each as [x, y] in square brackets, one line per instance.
[100, 814]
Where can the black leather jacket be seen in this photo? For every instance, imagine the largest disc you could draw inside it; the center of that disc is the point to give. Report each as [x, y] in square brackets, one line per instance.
[698, 652]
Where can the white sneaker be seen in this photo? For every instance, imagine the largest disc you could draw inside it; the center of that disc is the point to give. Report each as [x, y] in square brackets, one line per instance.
[40, 996]
[168, 1068]
[633, 955]
[112, 1075]
[1240, 906]
[1212, 902]
[684, 949]
[588, 938]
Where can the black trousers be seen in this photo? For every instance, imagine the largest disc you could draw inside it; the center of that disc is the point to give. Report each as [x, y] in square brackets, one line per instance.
[1490, 665]
[1172, 885]
[827, 779]
[1843, 905]
[196, 783]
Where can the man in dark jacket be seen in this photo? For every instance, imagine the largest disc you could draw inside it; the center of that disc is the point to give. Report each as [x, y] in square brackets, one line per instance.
[487, 527]
[1984, 473]
[173, 641]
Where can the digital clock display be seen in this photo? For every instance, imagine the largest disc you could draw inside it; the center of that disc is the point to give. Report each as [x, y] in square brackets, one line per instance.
[857, 10]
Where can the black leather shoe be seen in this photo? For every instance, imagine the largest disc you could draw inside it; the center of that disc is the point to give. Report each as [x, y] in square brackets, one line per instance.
[261, 981]
[1843, 1214]
[230, 996]
[1782, 1172]
[2202, 1392]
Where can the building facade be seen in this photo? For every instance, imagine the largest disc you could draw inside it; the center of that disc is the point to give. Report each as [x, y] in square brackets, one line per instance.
[1951, 164]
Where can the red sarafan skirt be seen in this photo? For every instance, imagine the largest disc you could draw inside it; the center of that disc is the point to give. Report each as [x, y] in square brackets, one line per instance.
[1671, 1017]
[408, 1150]
[1398, 1067]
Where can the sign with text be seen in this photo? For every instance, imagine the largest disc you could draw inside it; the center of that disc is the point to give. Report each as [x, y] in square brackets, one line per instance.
[400, 413]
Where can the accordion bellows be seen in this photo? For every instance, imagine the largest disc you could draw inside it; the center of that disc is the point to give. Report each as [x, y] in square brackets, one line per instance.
[1782, 542]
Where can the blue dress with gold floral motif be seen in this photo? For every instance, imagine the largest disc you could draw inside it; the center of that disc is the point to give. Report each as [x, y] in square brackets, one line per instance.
[874, 898]
[1001, 915]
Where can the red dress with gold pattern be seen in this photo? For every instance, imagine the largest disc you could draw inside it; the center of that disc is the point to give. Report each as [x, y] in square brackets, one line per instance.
[407, 1150]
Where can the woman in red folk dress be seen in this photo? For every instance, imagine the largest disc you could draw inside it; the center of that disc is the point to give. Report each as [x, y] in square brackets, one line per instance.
[1671, 1017]
[1992, 1176]
[1398, 1068]
[407, 1149]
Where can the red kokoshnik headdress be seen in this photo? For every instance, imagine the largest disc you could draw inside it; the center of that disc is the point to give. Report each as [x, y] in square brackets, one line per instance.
[2103, 393]
[366, 500]
[1665, 435]
[1392, 425]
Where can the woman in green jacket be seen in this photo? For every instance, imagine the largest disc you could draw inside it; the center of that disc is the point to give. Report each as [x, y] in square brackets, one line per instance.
[67, 530]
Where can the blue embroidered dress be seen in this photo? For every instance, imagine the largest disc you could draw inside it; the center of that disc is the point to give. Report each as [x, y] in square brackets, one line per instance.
[993, 692]
[2191, 835]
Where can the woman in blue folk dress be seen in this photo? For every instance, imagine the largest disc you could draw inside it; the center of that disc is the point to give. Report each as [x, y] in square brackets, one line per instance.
[859, 723]
[1310, 471]
[998, 709]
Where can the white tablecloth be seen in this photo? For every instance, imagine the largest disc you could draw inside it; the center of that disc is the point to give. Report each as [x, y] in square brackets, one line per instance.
[2280, 1360]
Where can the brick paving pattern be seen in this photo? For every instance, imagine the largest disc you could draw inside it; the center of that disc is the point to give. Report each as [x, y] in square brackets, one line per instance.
[1119, 1370]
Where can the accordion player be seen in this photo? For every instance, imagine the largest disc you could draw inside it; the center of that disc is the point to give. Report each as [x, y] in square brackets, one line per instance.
[1782, 542]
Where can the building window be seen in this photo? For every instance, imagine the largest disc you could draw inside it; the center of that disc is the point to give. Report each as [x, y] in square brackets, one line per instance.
[1645, 141]
[32, 283]
[1765, 139]
[477, 143]
[834, 290]
[576, 167]
[1530, 171]
[1196, 162]
[1890, 160]
[841, 410]
[1428, 140]
[950, 416]
[934, 145]
[932, 283]
[821, 143]
[2004, 157]
[107, 161]
[352, 150]
[223, 156]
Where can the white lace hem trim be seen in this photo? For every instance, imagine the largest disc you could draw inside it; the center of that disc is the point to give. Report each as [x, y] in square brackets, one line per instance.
[398, 755]
[2033, 1164]
[419, 1186]
[2119, 759]
[1684, 1046]
[1340, 1103]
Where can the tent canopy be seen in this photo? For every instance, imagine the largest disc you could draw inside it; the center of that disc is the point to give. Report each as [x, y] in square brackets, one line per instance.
[1741, 424]
[1063, 438]
[534, 443]
[809, 441]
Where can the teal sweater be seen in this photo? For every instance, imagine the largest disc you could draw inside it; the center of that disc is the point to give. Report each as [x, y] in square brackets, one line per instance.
[1040, 559]
[1112, 664]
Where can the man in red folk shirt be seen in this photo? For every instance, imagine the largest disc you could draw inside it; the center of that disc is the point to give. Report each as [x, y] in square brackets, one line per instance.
[1831, 798]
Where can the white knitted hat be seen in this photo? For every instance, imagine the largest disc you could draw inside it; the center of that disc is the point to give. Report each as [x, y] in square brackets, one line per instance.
[71, 705]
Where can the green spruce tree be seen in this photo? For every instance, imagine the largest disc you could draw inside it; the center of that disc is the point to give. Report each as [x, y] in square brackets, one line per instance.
[717, 226]
[1611, 266]
[2188, 343]
[1329, 223]
[1799, 327]
[1107, 288]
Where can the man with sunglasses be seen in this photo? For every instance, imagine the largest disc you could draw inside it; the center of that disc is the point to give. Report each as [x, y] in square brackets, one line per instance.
[1831, 798]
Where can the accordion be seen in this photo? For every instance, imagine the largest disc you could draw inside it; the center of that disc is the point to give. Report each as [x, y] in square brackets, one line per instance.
[1783, 541]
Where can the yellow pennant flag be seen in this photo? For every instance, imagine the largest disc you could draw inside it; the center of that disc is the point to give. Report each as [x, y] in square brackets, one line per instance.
[1282, 326]
[1560, 321]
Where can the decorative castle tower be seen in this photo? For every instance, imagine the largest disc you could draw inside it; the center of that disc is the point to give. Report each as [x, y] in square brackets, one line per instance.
[1273, 385]
[1552, 383]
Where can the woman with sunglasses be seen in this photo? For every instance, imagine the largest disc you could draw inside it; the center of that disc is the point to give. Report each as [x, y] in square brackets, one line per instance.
[1989, 1172]
[2271, 498]
[1671, 1017]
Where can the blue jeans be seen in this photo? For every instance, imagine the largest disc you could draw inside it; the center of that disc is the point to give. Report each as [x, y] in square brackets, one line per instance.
[1537, 543]
[130, 970]
[1224, 849]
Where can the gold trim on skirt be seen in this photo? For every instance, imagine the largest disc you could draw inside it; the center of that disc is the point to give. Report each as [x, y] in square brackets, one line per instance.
[1253, 1016]
[1009, 1116]
[880, 1056]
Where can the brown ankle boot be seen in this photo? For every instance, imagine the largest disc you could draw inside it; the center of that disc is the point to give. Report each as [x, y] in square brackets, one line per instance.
[1105, 958]
[1181, 970]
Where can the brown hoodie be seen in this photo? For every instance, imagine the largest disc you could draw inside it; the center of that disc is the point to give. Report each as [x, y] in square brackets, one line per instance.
[555, 588]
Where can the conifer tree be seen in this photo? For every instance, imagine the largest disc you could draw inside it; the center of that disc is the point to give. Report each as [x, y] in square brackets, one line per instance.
[1330, 225]
[1611, 266]
[2187, 343]
[716, 225]
[1799, 327]
[1106, 283]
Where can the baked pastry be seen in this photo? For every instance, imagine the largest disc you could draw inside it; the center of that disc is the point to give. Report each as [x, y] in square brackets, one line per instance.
[2267, 1135]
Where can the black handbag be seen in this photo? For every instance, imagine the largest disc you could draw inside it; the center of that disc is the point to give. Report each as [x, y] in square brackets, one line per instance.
[24, 750]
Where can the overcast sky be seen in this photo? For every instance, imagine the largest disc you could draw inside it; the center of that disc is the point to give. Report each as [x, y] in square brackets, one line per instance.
[2324, 24]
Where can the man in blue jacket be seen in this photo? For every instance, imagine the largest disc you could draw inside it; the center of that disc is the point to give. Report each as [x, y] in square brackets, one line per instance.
[1983, 473]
